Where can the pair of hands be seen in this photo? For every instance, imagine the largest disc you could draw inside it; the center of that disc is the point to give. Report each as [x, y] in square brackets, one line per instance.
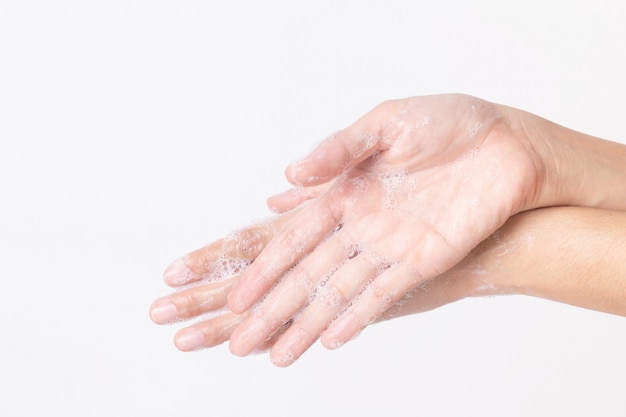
[395, 202]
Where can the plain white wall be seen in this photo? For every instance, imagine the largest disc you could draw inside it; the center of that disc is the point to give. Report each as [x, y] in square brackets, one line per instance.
[133, 131]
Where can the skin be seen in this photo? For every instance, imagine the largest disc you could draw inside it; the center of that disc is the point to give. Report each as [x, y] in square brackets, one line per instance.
[401, 197]
[584, 266]
[199, 291]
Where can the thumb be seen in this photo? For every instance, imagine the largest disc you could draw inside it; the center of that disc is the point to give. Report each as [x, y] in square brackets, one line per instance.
[341, 151]
[288, 200]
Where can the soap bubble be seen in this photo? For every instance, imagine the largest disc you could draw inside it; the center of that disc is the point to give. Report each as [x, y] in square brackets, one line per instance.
[391, 182]
[225, 267]
[369, 140]
[178, 273]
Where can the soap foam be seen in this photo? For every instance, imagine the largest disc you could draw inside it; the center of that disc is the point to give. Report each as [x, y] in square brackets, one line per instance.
[179, 273]
[225, 267]
[391, 182]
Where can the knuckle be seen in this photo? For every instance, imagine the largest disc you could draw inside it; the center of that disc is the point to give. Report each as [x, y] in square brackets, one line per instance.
[303, 280]
[253, 242]
[365, 319]
[382, 295]
[333, 294]
[185, 302]
[198, 300]
[247, 243]
[294, 239]
[215, 336]
[373, 304]
[387, 107]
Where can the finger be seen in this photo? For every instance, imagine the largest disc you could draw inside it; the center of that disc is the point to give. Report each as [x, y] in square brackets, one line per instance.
[208, 333]
[288, 298]
[378, 297]
[226, 256]
[191, 302]
[330, 299]
[304, 232]
[267, 345]
[211, 261]
[344, 149]
[292, 198]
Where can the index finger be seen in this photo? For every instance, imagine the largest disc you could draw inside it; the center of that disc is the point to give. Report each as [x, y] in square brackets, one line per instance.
[224, 257]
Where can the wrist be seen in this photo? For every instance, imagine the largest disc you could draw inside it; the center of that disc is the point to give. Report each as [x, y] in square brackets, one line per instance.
[566, 254]
[570, 168]
[578, 169]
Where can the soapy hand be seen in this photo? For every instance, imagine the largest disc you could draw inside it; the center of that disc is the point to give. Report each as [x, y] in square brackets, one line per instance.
[412, 188]
[382, 212]
[204, 278]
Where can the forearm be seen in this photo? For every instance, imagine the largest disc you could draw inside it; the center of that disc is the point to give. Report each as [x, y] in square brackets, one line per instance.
[567, 254]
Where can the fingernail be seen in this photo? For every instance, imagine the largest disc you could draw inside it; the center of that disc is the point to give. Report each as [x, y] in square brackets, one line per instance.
[190, 340]
[178, 273]
[335, 344]
[163, 313]
[296, 170]
[273, 209]
[285, 358]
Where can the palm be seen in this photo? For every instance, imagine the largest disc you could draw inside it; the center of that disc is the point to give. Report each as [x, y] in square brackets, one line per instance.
[429, 211]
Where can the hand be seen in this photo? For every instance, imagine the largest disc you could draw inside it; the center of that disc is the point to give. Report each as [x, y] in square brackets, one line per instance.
[385, 153]
[519, 258]
[417, 184]
[205, 277]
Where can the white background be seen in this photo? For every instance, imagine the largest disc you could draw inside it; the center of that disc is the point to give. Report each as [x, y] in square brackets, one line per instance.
[134, 131]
